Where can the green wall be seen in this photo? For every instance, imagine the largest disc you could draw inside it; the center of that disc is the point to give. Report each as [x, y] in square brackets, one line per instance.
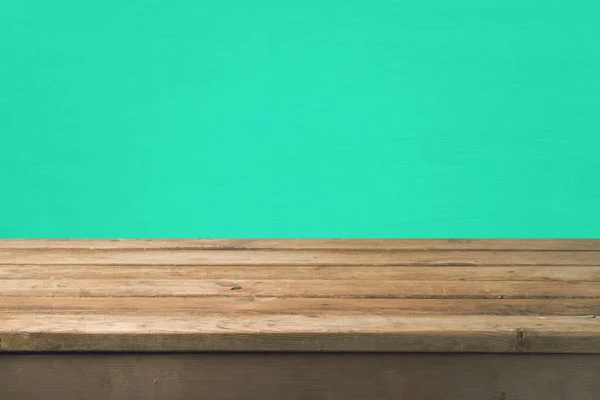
[311, 118]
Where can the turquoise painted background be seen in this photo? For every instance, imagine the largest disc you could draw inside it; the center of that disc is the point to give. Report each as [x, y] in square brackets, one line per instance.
[312, 118]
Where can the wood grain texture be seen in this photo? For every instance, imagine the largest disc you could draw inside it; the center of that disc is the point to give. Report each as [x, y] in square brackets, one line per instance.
[296, 257]
[392, 289]
[300, 376]
[308, 244]
[300, 295]
[380, 333]
[425, 273]
[294, 306]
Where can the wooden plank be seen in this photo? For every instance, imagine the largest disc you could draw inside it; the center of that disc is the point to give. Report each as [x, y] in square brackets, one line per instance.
[300, 376]
[309, 244]
[298, 299]
[377, 333]
[295, 306]
[297, 288]
[480, 273]
[297, 257]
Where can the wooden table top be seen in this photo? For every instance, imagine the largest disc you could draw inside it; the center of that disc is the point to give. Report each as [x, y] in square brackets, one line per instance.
[496, 296]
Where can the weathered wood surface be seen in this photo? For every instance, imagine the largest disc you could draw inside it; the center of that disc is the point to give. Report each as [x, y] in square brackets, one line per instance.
[300, 295]
[297, 257]
[314, 376]
[348, 288]
[494, 334]
[423, 273]
[308, 244]
[297, 306]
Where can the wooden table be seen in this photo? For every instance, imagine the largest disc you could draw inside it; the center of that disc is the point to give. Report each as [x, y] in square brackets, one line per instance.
[300, 319]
